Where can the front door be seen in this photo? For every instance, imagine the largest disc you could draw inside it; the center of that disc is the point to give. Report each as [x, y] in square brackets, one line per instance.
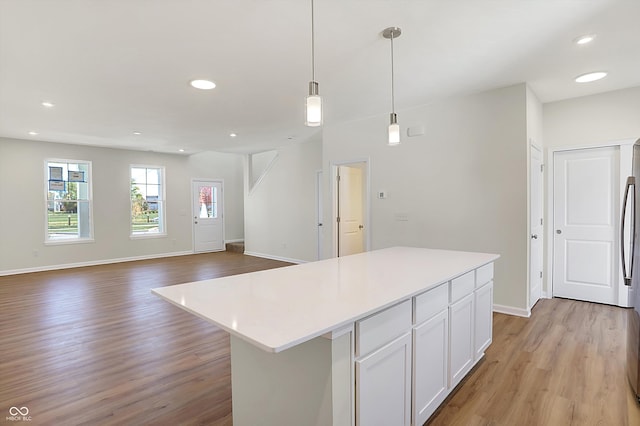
[350, 210]
[586, 200]
[208, 225]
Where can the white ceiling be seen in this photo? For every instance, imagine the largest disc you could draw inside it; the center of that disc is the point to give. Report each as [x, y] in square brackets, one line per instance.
[119, 66]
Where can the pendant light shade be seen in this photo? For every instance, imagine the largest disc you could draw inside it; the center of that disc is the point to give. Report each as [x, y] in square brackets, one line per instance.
[394, 127]
[394, 130]
[313, 104]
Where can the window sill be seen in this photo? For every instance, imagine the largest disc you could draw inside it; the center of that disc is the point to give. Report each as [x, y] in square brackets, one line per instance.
[147, 236]
[64, 241]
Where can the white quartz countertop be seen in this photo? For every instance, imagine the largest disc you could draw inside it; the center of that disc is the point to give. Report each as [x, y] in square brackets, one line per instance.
[280, 308]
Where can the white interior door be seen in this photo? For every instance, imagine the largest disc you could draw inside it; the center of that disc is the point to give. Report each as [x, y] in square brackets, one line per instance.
[208, 224]
[586, 199]
[350, 211]
[319, 211]
[536, 233]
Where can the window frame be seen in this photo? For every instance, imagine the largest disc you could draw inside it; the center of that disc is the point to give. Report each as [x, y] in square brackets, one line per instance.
[89, 200]
[162, 200]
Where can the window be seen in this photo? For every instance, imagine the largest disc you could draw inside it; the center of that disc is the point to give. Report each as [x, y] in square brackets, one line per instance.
[208, 201]
[147, 201]
[68, 201]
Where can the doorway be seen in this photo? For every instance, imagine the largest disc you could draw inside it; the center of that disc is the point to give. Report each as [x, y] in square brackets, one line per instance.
[319, 212]
[586, 188]
[536, 234]
[351, 207]
[208, 217]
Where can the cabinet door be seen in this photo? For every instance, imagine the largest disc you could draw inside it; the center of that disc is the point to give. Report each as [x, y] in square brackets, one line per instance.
[383, 385]
[430, 359]
[461, 331]
[484, 319]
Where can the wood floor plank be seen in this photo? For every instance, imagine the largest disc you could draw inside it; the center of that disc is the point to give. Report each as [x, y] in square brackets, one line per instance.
[93, 346]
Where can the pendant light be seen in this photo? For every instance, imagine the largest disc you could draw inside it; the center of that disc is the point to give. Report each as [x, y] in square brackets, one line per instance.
[394, 127]
[313, 102]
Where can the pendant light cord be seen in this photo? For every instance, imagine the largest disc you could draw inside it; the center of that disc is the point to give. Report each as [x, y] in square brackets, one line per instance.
[313, 49]
[393, 101]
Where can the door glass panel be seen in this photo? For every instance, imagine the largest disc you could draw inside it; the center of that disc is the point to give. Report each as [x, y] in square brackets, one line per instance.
[208, 199]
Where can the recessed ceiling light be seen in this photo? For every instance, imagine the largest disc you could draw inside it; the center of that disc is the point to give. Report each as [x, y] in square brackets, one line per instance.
[137, 133]
[48, 104]
[181, 150]
[584, 39]
[202, 84]
[233, 135]
[33, 133]
[589, 77]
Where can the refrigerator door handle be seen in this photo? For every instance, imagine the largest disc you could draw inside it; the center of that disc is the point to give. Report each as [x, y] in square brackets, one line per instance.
[631, 182]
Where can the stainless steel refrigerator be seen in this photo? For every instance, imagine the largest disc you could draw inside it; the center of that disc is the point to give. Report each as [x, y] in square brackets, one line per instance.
[630, 258]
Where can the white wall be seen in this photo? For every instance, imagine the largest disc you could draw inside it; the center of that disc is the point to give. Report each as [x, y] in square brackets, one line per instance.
[22, 216]
[280, 212]
[462, 185]
[535, 123]
[593, 119]
[228, 167]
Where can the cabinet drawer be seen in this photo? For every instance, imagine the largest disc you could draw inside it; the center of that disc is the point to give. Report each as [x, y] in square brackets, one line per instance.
[381, 328]
[484, 274]
[431, 302]
[462, 286]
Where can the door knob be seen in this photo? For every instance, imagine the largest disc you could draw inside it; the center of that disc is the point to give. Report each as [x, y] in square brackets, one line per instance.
[534, 236]
[360, 227]
[196, 222]
[558, 231]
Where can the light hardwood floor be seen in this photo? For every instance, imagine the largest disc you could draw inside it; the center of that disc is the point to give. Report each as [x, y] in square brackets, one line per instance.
[93, 346]
[563, 366]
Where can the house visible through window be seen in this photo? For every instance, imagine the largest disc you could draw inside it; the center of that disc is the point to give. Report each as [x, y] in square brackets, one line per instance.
[208, 198]
[147, 200]
[68, 189]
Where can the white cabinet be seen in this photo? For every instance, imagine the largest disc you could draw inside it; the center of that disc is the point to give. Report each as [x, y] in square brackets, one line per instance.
[383, 367]
[383, 385]
[409, 357]
[381, 328]
[430, 360]
[461, 331]
[483, 335]
[483, 319]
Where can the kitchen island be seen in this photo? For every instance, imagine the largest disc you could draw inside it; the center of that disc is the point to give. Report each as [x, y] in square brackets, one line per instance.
[380, 337]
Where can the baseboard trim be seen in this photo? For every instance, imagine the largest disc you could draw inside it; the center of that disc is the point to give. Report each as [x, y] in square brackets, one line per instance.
[237, 240]
[510, 310]
[92, 263]
[272, 257]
